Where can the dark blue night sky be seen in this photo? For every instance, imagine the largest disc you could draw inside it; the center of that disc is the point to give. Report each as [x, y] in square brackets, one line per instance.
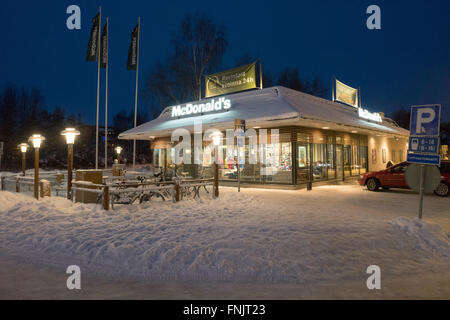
[405, 63]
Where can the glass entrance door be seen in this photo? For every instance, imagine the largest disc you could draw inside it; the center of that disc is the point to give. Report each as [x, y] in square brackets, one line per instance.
[339, 161]
[348, 161]
[302, 163]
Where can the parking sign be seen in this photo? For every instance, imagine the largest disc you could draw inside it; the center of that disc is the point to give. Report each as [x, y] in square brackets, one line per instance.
[425, 120]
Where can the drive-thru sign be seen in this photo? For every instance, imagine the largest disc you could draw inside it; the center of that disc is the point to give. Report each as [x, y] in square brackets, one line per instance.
[423, 148]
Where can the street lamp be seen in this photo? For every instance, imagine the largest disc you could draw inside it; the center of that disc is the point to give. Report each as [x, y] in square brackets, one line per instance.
[23, 148]
[119, 150]
[36, 140]
[70, 134]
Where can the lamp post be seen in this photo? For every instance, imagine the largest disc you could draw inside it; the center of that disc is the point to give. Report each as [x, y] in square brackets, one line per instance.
[36, 140]
[119, 150]
[216, 141]
[70, 134]
[23, 148]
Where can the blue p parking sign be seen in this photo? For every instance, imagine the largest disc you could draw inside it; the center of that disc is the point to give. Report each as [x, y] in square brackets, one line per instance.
[424, 134]
[425, 120]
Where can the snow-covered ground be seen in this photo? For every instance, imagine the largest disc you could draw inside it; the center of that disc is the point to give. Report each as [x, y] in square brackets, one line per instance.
[303, 240]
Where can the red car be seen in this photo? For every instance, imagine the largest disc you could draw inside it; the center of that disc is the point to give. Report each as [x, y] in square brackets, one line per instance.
[394, 177]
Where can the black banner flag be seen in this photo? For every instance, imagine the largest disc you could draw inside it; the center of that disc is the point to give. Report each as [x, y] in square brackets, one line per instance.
[133, 50]
[104, 47]
[93, 41]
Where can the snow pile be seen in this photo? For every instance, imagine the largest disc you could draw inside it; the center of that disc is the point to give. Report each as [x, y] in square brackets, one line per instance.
[278, 236]
[423, 235]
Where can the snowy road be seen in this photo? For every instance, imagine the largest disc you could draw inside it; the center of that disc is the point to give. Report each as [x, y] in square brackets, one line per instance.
[260, 243]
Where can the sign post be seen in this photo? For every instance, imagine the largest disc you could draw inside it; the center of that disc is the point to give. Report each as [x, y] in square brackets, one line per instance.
[422, 179]
[423, 147]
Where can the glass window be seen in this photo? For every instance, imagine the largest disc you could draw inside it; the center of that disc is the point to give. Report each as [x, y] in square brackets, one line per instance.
[227, 164]
[339, 161]
[156, 158]
[363, 154]
[319, 161]
[400, 168]
[170, 164]
[278, 167]
[170, 156]
[302, 163]
[331, 164]
[355, 161]
[347, 161]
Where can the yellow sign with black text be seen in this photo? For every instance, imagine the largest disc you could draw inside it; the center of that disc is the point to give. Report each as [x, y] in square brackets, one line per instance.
[237, 79]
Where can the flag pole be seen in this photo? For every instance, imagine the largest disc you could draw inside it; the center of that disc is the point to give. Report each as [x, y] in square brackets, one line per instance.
[260, 74]
[359, 97]
[106, 94]
[136, 94]
[333, 82]
[98, 87]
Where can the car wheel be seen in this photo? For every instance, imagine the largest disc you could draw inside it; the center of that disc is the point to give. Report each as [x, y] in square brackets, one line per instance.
[442, 190]
[372, 184]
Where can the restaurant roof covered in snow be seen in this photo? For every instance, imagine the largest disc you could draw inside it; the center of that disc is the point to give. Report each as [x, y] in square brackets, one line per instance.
[275, 106]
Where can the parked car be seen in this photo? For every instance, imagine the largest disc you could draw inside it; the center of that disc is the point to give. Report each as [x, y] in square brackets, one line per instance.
[394, 177]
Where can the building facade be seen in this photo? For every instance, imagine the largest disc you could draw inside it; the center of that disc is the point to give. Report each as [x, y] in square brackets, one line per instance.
[318, 139]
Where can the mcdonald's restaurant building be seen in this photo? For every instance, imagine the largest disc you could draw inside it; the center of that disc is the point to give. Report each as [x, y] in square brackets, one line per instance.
[319, 139]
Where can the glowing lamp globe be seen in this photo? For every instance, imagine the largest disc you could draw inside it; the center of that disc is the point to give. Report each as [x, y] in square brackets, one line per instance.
[118, 150]
[23, 147]
[70, 134]
[36, 140]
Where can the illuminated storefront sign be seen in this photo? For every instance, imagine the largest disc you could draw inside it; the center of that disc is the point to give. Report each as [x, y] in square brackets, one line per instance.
[365, 114]
[200, 108]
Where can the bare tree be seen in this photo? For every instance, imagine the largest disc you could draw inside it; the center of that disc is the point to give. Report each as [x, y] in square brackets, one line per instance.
[197, 50]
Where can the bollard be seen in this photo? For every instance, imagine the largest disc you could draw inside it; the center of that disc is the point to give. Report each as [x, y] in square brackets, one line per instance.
[17, 184]
[45, 189]
[106, 197]
[2, 183]
[177, 191]
[216, 180]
